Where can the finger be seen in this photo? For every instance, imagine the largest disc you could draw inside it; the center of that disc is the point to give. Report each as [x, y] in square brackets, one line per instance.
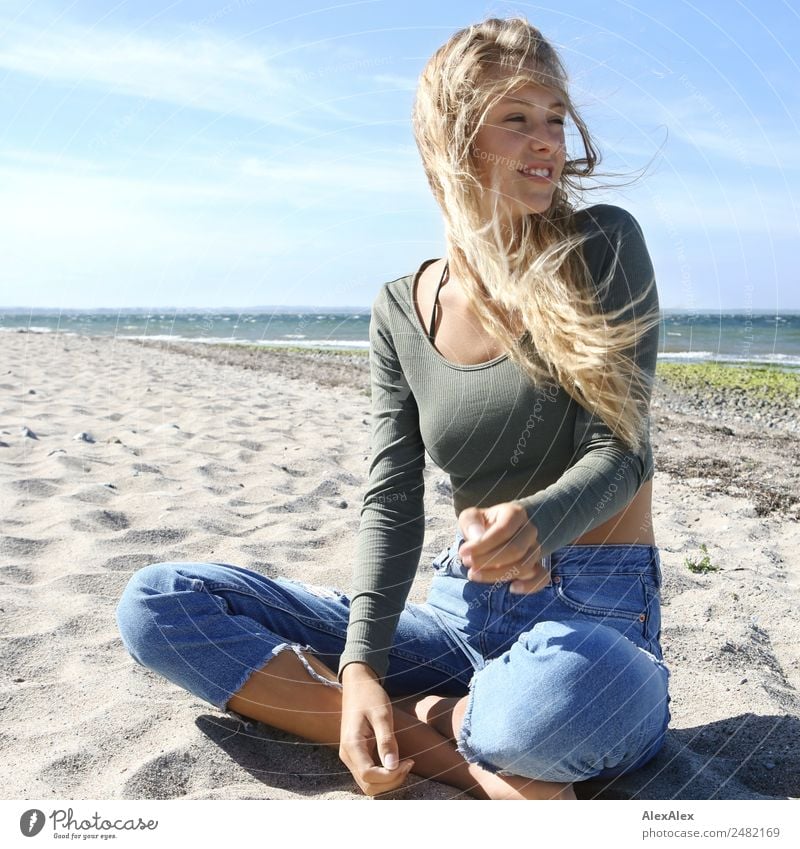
[387, 744]
[357, 755]
[379, 776]
[531, 579]
[504, 556]
[472, 523]
[396, 778]
[500, 542]
[531, 585]
[524, 567]
[499, 573]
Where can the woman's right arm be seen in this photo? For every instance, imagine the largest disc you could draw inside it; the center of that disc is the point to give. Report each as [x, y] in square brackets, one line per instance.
[390, 540]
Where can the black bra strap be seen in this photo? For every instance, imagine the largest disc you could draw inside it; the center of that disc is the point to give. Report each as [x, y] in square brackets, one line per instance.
[445, 276]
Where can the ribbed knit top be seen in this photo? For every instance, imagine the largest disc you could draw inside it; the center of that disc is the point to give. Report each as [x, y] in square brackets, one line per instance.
[498, 436]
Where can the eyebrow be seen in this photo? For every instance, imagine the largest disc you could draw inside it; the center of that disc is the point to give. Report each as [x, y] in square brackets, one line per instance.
[557, 104]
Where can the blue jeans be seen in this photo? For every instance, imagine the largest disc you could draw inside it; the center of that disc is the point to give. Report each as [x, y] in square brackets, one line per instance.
[564, 684]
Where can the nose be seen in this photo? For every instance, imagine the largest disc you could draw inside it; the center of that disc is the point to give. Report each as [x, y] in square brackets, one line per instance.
[546, 139]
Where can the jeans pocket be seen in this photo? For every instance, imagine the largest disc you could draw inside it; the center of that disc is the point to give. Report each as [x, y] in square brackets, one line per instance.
[620, 601]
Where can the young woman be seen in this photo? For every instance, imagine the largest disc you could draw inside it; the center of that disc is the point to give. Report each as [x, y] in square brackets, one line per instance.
[523, 363]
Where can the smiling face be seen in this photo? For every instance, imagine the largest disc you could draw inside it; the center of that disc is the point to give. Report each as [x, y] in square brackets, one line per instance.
[522, 132]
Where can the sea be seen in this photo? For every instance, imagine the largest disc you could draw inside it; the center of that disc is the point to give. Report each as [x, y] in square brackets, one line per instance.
[755, 337]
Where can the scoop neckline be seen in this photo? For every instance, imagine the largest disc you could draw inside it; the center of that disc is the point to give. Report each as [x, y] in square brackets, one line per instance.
[415, 319]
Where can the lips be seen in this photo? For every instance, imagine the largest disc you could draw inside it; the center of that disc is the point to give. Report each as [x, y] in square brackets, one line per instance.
[538, 166]
[539, 177]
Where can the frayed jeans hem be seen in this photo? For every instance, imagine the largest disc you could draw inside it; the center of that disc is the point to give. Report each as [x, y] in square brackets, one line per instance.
[298, 650]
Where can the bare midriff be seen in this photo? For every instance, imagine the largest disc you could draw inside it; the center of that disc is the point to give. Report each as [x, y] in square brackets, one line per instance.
[633, 525]
[460, 339]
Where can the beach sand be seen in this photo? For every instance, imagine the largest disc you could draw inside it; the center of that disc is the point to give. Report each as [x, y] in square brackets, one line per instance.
[260, 460]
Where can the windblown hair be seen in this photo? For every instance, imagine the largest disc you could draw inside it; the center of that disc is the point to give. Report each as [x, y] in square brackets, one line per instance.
[532, 276]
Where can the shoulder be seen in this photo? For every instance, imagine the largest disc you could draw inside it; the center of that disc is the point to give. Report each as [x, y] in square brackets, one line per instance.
[389, 312]
[617, 255]
[392, 296]
[612, 233]
[606, 219]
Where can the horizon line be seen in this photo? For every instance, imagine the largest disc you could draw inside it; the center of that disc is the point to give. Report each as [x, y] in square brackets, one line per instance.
[330, 309]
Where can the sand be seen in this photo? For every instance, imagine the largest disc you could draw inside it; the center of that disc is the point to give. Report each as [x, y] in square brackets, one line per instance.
[115, 454]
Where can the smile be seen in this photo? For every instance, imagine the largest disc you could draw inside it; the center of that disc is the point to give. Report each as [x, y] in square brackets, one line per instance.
[542, 174]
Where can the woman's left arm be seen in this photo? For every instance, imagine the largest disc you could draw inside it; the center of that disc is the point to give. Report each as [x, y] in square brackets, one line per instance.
[605, 475]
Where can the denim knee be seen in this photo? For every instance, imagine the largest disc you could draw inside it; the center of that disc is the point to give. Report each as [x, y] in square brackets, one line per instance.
[566, 702]
[137, 621]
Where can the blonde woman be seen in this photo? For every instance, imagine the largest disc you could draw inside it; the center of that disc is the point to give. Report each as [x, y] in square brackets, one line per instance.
[523, 362]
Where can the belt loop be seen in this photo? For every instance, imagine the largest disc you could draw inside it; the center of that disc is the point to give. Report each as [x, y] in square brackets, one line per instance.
[656, 565]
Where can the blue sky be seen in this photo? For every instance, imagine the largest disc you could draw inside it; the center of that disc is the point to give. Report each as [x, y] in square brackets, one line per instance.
[244, 153]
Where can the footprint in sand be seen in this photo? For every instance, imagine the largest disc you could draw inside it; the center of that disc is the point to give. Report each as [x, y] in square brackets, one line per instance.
[37, 487]
[152, 536]
[98, 493]
[15, 574]
[128, 562]
[167, 776]
[22, 547]
[59, 775]
[101, 520]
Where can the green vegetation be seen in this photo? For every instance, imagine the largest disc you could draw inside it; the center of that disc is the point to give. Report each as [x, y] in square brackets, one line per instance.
[771, 382]
[702, 566]
[298, 349]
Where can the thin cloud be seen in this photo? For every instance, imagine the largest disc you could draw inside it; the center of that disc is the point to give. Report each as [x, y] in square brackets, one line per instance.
[197, 71]
[395, 81]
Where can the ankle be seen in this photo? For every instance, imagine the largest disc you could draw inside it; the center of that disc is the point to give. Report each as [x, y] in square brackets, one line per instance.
[437, 711]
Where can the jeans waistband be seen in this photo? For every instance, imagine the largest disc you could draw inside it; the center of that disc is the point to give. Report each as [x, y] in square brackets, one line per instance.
[621, 558]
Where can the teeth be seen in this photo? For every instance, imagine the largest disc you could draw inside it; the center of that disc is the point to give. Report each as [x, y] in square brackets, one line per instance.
[539, 172]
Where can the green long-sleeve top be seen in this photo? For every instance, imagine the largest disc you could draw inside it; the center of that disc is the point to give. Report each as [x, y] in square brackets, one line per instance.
[497, 435]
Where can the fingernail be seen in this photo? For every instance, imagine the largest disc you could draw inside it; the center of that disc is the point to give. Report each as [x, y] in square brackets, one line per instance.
[517, 589]
[390, 762]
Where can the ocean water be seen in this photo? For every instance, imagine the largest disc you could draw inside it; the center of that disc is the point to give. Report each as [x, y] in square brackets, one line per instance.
[752, 337]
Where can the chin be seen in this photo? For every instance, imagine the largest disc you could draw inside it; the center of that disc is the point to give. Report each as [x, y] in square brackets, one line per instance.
[535, 209]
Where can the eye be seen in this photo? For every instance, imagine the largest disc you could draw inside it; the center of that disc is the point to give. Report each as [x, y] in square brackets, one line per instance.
[522, 118]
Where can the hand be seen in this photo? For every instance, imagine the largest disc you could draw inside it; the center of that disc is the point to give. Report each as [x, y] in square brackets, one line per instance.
[502, 545]
[366, 725]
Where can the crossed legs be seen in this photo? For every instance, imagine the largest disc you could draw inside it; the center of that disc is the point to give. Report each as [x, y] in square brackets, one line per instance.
[282, 694]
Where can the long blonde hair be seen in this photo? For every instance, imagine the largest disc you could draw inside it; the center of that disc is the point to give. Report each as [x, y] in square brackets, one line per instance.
[536, 277]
